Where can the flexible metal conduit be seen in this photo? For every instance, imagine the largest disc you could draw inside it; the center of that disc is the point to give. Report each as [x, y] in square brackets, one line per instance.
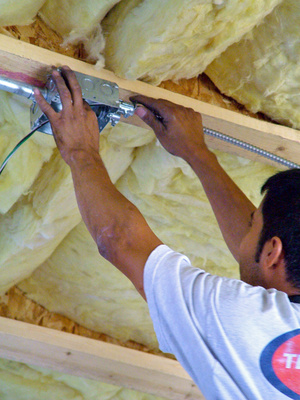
[250, 147]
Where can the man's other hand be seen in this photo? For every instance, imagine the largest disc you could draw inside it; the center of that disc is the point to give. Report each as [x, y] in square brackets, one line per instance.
[178, 129]
[75, 127]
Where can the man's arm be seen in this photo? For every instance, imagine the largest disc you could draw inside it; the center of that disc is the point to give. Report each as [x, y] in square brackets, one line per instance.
[121, 233]
[180, 131]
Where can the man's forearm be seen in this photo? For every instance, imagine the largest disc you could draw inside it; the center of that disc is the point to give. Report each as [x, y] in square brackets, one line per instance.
[230, 205]
[118, 228]
[120, 231]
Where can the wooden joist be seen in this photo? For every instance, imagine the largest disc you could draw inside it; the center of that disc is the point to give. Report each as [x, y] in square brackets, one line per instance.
[31, 64]
[93, 359]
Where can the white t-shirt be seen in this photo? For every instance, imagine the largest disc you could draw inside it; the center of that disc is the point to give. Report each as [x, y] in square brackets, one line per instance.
[236, 341]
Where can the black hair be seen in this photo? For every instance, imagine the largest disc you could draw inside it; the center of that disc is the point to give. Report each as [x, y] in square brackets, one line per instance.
[281, 218]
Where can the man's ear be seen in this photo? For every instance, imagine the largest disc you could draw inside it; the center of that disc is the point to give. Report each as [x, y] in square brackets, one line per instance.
[272, 255]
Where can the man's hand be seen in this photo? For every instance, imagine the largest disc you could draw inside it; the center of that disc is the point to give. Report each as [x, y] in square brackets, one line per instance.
[178, 129]
[75, 128]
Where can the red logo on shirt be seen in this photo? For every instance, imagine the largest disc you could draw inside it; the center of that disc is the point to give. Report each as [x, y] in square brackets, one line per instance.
[280, 363]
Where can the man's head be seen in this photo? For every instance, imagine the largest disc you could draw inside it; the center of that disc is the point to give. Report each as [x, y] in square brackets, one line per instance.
[276, 230]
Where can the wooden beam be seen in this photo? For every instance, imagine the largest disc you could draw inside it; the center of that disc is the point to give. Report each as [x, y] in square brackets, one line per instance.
[93, 359]
[31, 64]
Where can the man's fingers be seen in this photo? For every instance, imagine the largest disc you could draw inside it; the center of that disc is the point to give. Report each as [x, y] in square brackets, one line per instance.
[148, 102]
[44, 105]
[64, 92]
[74, 86]
[86, 106]
[149, 118]
[153, 104]
[162, 109]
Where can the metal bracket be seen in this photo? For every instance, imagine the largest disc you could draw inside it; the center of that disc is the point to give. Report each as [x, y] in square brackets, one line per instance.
[101, 95]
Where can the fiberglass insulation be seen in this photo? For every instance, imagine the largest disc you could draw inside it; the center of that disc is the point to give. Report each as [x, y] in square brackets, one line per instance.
[21, 213]
[75, 20]
[20, 12]
[155, 40]
[262, 71]
[79, 21]
[23, 382]
[37, 202]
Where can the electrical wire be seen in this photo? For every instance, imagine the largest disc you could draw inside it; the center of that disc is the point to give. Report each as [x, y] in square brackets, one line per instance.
[3, 165]
[20, 144]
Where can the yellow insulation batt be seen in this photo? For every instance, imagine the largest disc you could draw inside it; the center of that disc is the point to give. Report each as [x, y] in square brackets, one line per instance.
[155, 40]
[23, 382]
[20, 12]
[37, 223]
[37, 201]
[23, 168]
[79, 21]
[262, 71]
[75, 17]
[77, 282]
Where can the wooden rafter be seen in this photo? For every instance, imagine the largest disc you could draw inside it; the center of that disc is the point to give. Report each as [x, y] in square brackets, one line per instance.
[93, 359]
[31, 64]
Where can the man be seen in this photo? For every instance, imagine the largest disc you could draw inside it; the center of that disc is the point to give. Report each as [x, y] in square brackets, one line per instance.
[237, 339]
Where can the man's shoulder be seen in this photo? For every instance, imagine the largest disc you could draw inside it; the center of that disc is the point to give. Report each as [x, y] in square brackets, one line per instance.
[174, 270]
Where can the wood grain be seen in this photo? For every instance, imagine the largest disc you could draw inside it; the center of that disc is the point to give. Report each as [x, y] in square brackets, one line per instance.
[93, 359]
